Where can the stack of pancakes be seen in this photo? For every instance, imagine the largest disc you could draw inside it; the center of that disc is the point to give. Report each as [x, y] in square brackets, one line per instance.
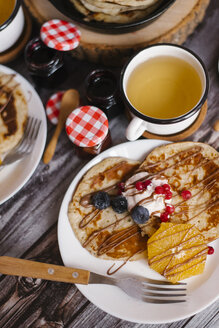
[115, 11]
[13, 113]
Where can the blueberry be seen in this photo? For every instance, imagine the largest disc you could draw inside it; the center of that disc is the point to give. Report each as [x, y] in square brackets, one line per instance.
[119, 204]
[100, 200]
[140, 214]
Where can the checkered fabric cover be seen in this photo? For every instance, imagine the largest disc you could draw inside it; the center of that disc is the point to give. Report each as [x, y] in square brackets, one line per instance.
[60, 35]
[87, 126]
[53, 107]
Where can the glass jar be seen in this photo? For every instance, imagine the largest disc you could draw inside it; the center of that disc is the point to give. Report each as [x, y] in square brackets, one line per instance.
[44, 55]
[87, 127]
[102, 91]
[43, 63]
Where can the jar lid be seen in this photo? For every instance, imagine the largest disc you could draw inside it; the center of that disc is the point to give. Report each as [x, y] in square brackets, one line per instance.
[60, 35]
[53, 107]
[87, 126]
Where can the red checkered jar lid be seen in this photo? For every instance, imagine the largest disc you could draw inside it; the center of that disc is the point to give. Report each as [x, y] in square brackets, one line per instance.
[53, 107]
[87, 126]
[60, 35]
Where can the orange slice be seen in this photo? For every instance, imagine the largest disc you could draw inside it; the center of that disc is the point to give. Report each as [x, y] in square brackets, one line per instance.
[177, 251]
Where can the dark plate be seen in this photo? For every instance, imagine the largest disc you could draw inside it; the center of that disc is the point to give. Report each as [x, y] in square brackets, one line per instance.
[67, 8]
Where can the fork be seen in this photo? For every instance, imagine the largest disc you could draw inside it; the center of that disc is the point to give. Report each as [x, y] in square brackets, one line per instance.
[144, 289]
[26, 144]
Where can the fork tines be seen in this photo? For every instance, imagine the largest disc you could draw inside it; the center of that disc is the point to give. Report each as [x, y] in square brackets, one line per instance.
[30, 134]
[162, 292]
[153, 291]
[26, 144]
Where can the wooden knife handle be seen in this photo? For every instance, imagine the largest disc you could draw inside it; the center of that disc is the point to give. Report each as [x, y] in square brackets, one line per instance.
[26, 268]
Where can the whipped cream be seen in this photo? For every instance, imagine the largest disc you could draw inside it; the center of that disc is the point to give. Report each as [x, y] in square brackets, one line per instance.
[156, 203]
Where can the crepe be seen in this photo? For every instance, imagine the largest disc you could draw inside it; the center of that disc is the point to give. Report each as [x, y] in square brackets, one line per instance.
[105, 233]
[115, 11]
[189, 166]
[13, 113]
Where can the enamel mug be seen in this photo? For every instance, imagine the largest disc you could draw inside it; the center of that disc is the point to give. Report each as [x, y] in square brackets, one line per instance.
[11, 29]
[140, 122]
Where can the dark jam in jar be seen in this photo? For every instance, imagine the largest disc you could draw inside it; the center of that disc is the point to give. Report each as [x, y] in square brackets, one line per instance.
[89, 152]
[44, 64]
[87, 127]
[102, 91]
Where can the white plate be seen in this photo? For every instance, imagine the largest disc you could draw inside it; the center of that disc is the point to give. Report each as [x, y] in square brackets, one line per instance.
[202, 290]
[14, 176]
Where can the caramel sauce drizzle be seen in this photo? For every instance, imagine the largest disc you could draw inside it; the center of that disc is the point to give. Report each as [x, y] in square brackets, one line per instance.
[161, 233]
[183, 203]
[198, 148]
[204, 161]
[198, 255]
[116, 239]
[210, 204]
[88, 218]
[144, 201]
[159, 173]
[154, 260]
[174, 274]
[109, 272]
[97, 232]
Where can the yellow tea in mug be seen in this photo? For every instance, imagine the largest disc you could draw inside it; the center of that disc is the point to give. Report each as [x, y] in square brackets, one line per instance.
[164, 87]
[6, 9]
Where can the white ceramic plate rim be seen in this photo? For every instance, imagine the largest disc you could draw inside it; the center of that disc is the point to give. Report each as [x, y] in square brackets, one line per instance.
[14, 176]
[202, 290]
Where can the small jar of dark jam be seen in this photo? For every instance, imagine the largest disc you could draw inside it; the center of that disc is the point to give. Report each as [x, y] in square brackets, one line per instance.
[102, 91]
[44, 54]
[43, 63]
[87, 127]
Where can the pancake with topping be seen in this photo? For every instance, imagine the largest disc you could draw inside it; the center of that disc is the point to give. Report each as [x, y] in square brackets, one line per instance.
[13, 113]
[105, 233]
[115, 11]
[192, 171]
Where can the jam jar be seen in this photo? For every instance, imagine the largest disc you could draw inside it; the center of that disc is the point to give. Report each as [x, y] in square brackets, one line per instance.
[43, 63]
[102, 91]
[87, 127]
[44, 54]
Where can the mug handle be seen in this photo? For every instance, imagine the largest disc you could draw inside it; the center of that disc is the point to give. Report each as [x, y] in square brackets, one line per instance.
[135, 129]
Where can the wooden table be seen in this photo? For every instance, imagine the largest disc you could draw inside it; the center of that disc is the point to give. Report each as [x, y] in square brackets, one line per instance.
[28, 221]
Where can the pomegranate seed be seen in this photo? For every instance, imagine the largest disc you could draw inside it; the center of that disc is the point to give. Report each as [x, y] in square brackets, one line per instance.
[168, 195]
[164, 217]
[170, 209]
[146, 183]
[210, 250]
[186, 194]
[121, 186]
[159, 190]
[166, 187]
[139, 185]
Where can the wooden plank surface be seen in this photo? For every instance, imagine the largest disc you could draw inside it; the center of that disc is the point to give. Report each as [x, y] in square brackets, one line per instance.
[28, 220]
